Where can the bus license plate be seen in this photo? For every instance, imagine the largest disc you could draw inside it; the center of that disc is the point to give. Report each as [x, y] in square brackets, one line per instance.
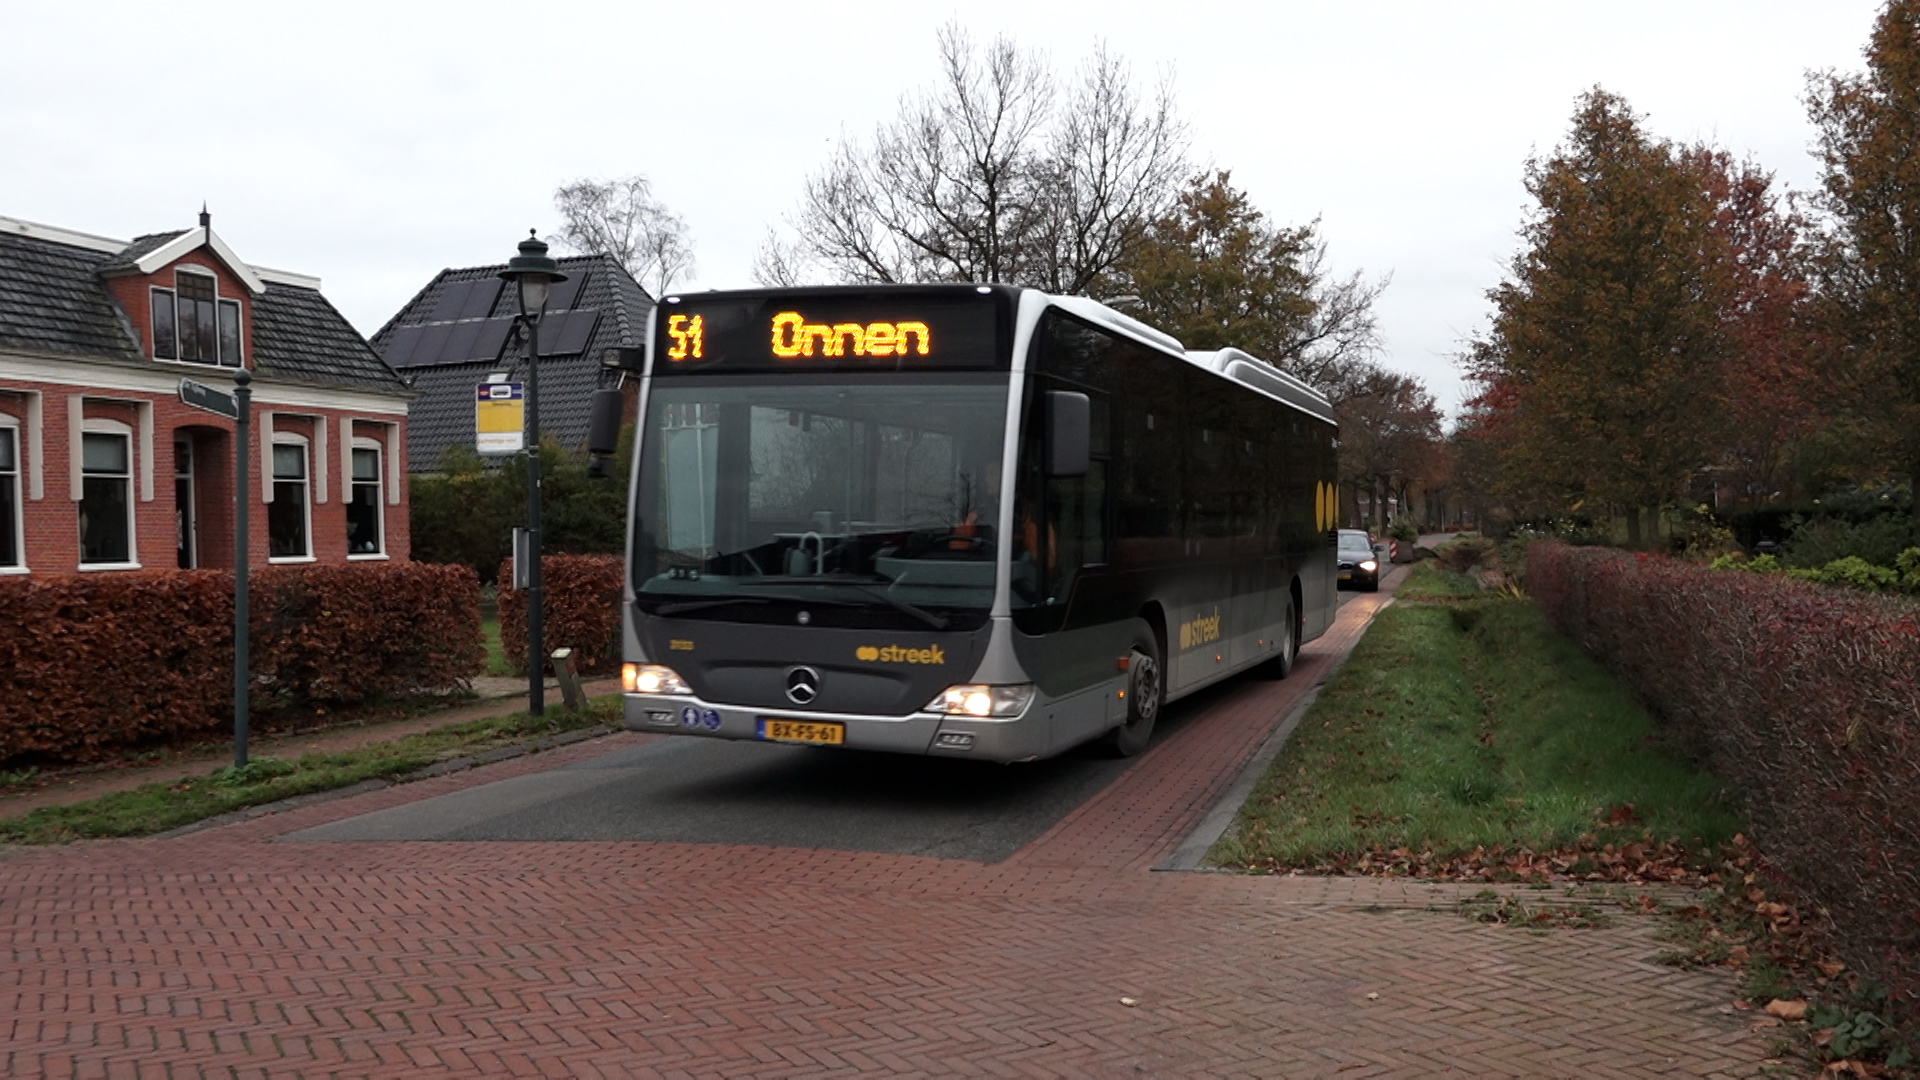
[803, 731]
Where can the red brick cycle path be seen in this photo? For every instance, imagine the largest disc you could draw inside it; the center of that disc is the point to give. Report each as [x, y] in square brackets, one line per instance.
[224, 953]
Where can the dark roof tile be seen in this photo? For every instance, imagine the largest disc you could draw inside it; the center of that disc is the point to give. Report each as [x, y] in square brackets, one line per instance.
[298, 335]
[51, 300]
[141, 247]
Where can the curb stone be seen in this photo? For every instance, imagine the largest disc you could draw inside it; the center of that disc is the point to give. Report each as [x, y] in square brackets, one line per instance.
[425, 772]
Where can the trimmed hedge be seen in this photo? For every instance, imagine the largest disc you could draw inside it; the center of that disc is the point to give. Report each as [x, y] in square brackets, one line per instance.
[95, 662]
[1806, 698]
[582, 611]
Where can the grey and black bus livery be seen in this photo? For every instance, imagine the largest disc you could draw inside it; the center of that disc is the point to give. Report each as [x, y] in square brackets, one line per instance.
[972, 521]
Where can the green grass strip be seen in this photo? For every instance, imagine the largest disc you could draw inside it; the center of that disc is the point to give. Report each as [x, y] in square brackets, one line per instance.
[157, 807]
[1459, 724]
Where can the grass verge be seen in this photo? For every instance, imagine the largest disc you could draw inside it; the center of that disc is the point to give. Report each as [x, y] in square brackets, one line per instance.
[496, 653]
[1464, 737]
[157, 807]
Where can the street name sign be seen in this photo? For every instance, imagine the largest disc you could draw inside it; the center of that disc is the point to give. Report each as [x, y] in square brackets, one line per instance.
[500, 417]
[202, 396]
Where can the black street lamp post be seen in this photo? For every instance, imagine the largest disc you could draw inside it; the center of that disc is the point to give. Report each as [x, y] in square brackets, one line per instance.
[534, 273]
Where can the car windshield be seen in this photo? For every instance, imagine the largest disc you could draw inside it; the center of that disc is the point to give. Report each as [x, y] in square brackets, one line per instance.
[1355, 542]
[868, 503]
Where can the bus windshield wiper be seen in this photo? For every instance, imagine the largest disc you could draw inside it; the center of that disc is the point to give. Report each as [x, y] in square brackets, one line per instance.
[938, 622]
[717, 601]
[697, 605]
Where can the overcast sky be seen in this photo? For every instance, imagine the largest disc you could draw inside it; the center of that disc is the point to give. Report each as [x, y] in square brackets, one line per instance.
[372, 144]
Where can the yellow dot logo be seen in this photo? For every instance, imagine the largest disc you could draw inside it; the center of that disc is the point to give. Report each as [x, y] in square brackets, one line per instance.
[866, 652]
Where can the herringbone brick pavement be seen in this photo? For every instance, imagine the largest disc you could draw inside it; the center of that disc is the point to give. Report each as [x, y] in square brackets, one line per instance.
[224, 953]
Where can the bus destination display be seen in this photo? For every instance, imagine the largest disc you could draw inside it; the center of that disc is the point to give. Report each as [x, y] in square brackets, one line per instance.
[829, 332]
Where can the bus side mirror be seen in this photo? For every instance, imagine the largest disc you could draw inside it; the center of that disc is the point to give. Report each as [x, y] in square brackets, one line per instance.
[1069, 434]
[603, 430]
[624, 358]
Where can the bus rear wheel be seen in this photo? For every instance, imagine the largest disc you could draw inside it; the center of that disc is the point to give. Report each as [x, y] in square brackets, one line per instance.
[1286, 649]
[1145, 693]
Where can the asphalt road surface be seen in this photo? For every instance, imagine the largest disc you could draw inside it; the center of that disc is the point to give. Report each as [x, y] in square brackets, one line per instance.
[709, 791]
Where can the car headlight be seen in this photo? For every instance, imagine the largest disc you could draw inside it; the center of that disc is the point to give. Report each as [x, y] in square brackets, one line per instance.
[977, 699]
[1369, 565]
[651, 679]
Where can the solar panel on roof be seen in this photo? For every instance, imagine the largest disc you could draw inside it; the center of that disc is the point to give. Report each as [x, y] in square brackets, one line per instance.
[561, 297]
[566, 333]
[453, 299]
[433, 343]
[401, 345]
[480, 298]
[492, 335]
[460, 342]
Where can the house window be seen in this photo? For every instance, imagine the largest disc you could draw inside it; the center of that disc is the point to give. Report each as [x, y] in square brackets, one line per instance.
[10, 539]
[364, 534]
[106, 498]
[192, 323]
[287, 515]
[166, 343]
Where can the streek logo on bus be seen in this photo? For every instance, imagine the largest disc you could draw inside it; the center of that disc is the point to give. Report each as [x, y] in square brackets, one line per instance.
[794, 336]
[894, 654]
[1201, 630]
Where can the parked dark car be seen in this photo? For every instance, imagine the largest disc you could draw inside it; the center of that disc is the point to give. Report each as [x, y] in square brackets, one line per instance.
[1360, 560]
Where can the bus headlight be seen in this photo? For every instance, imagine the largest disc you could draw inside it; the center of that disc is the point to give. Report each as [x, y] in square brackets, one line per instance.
[1369, 566]
[651, 679]
[975, 699]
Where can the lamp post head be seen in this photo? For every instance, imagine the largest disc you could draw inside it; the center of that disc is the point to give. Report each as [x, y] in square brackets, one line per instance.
[534, 273]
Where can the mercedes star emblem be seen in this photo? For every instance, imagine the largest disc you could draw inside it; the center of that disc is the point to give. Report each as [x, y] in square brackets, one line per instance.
[803, 685]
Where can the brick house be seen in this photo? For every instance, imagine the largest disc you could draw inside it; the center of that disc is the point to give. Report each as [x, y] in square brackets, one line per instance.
[101, 466]
[460, 329]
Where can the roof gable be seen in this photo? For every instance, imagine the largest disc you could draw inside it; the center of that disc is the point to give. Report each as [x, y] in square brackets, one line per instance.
[151, 254]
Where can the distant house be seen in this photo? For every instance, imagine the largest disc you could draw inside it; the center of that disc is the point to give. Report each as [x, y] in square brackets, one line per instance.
[101, 466]
[461, 328]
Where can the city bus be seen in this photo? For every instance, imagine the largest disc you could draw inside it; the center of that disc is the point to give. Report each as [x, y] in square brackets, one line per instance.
[959, 520]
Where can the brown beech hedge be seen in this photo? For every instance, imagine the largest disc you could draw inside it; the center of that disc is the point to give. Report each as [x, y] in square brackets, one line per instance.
[95, 662]
[1805, 697]
[582, 611]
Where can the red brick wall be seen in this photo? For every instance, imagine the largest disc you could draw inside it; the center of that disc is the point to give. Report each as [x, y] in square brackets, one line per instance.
[51, 524]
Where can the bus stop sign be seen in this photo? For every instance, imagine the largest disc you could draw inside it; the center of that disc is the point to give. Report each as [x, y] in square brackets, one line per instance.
[500, 418]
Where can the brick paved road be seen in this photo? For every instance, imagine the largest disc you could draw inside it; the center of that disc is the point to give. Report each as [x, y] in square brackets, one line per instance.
[220, 953]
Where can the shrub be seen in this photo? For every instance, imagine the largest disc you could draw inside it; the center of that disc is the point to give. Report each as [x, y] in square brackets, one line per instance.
[1851, 571]
[1806, 698]
[347, 634]
[582, 610]
[1465, 553]
[91, 663]
[1877, 540]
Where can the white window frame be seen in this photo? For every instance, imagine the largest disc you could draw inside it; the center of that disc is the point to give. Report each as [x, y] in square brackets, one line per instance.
[350, 485]
[283, 438]
[101, 426]
[172, 293]
[11, 424]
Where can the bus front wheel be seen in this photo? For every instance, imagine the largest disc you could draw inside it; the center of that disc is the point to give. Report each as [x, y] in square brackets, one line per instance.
[1146, 690]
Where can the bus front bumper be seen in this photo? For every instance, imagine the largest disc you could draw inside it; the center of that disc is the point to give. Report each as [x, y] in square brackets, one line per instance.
[1021, 739]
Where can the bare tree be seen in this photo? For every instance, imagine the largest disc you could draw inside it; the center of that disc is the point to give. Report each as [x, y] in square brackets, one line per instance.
[1334, 347]
[992, 176]
[621, 218]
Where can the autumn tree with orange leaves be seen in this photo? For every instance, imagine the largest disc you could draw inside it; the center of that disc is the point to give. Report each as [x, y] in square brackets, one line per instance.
[1605, 356]
[1869, 265]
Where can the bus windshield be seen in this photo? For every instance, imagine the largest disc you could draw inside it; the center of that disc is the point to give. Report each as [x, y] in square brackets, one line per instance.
[870, 503]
